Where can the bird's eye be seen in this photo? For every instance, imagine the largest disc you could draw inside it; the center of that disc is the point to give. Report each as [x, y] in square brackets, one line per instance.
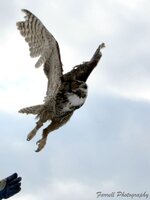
[85, 86]
[75, 85]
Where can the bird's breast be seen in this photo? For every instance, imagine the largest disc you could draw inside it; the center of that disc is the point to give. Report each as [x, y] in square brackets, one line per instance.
[71, 97]
[74, 102]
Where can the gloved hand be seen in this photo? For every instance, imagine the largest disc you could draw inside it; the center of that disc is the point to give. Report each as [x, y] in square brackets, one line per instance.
[10, 186]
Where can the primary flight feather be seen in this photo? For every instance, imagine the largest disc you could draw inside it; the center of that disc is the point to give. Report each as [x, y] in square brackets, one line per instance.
[65, 92]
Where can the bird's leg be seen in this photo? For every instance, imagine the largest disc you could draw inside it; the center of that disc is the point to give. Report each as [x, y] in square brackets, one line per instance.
[55, 124]
[41, 143]
[34, 131]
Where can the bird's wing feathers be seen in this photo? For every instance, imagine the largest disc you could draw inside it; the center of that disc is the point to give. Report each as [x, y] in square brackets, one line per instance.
[42, 43]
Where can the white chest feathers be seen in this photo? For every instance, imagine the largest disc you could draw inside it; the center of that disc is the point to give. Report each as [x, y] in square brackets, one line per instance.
[74, 101]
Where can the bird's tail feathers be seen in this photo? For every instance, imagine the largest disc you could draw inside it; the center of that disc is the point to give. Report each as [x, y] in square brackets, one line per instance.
[31, 110]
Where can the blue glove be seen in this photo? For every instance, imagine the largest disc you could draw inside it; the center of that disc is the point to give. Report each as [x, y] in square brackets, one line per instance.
[10, 186]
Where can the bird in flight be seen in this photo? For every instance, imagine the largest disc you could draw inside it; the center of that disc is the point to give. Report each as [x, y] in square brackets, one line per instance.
[65, 92]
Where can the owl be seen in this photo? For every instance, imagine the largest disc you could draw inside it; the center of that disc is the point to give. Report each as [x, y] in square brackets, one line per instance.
[65, 92]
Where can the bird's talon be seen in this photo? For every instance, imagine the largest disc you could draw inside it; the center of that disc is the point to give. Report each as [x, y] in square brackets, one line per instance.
[37, 142]
[31, 134]
[41, 143]
[37, 150]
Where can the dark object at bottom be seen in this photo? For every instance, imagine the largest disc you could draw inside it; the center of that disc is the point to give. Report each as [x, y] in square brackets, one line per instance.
[10, 186]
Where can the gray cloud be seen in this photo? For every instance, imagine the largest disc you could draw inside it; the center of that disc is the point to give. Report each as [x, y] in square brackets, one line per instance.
[111, 145]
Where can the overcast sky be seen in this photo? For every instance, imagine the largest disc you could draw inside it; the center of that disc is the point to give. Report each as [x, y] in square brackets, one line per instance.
[105, 146]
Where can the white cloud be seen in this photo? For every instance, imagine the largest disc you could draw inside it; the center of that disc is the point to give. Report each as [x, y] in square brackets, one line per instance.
[20, 82]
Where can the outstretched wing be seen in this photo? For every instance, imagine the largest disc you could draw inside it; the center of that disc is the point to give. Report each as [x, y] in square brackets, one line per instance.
[42, 44]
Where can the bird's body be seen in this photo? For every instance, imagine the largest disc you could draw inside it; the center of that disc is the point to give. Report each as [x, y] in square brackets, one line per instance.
[65, 92]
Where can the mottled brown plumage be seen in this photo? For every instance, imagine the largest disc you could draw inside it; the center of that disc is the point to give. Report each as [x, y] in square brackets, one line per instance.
[65, 92]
